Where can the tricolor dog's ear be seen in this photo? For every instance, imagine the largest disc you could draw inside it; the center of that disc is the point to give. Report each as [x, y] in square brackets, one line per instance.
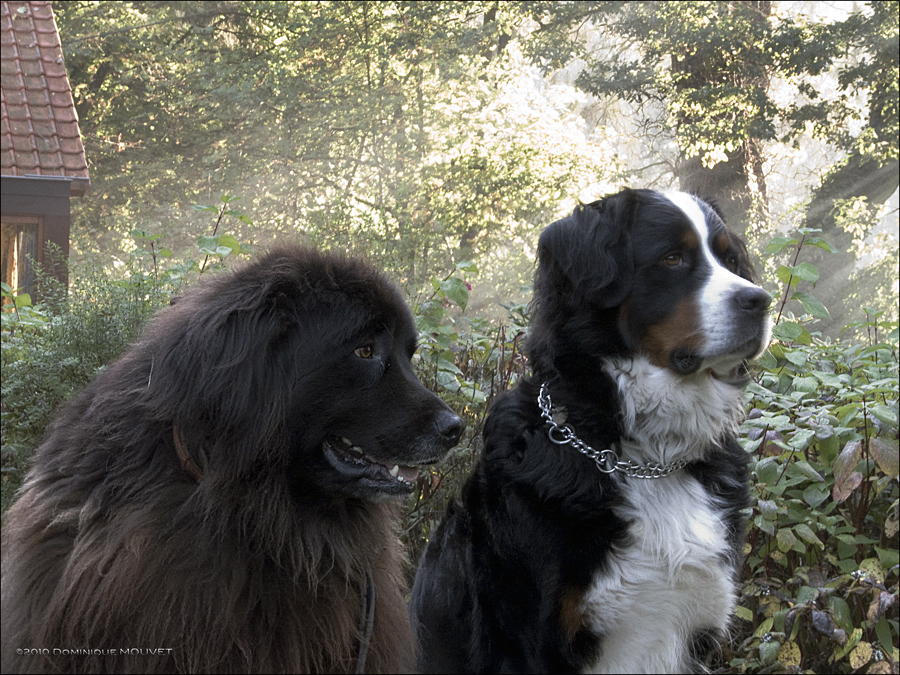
[587, 257]
[745, 267]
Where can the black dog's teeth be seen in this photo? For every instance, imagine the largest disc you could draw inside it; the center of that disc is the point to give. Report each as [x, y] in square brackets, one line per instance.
[355, 454]
[350, 447]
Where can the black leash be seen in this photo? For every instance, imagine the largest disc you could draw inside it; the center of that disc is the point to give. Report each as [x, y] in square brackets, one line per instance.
[366, 623]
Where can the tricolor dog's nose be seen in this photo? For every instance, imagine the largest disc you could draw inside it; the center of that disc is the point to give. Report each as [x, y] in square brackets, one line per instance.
[752, 299]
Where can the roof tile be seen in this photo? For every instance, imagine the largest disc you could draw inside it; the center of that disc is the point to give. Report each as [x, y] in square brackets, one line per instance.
[39, 131]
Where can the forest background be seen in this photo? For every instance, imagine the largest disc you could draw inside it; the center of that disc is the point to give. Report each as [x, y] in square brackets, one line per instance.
[437, 139]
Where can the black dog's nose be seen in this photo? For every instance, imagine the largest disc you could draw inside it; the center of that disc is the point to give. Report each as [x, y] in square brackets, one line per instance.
[752, 299]
[450, 427]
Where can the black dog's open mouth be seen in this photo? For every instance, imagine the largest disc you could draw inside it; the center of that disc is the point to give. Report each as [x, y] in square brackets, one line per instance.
[351, 462]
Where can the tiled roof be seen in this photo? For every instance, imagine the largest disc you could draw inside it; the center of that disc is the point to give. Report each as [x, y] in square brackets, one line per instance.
[39, 132]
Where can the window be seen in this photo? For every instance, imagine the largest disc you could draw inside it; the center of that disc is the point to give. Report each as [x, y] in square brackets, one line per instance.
[19, 252]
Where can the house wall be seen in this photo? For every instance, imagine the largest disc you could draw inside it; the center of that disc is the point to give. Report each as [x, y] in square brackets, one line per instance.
[47, 199]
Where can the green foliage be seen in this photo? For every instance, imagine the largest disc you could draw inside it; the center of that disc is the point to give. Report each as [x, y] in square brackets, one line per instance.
[467, 361]
[821, 566]
[372, 127]
[710, 65]
[821, 559]
[49, 351]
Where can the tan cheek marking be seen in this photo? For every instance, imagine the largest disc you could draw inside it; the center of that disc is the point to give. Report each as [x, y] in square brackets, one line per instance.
[571, 616]
[681, 330]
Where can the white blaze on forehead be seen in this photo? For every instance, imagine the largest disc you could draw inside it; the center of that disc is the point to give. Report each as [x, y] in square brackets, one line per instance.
[716, 299]
[692, 210]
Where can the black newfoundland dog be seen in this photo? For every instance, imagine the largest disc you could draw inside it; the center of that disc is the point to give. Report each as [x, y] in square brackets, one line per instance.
[220, 498]
[601, 529]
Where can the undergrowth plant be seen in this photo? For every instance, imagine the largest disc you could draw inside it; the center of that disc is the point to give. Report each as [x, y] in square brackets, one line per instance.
[821, 568]
[54, 344]
[467, 361]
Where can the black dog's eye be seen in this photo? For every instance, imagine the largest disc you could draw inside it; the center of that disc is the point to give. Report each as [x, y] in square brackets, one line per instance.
[364, 352]
[673, 259]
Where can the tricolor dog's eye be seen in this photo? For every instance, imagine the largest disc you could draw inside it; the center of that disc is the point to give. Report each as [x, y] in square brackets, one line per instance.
[731, 264]
[673, 259]
[365, 352]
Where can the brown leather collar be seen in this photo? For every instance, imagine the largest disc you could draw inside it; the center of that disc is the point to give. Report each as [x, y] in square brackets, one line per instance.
[187, 462]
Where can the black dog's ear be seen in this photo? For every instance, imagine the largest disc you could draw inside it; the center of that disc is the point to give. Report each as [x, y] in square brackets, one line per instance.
[587, 257]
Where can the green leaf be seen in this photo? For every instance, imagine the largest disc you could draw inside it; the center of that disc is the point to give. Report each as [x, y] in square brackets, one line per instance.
[767, 360]
[786, 276]
[886, 456]
[785, 539]
[806, 534]
[778, 244]
[789, 331]
[883, 631]
[840, 610]
[766, 526]
[768, 509]
[764, 627]
[744, 613]
[846, 462]
[807, 595]
[804, 466]
[767, 470]
[812, 305]
[23, 300]
[230, 242]
[805, 271]
[815, 494]
[884, 413]
[768, 652]
[456, 290]
[819, 243]
[467, 266]
[796, 356]
[447, 366]
[888, 557]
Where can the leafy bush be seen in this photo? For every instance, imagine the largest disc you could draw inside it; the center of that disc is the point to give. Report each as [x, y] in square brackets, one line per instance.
[467, 361]
[52, 349]
[820, 590]
[821, 567]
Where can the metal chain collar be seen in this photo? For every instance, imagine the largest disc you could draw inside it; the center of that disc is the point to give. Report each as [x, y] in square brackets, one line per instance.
[607, 460]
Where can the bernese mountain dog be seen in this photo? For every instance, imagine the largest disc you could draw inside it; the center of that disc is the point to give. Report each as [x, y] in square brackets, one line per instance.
[601, 530]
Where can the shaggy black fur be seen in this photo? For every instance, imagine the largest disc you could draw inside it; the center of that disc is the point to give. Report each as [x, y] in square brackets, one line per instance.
[289, 384]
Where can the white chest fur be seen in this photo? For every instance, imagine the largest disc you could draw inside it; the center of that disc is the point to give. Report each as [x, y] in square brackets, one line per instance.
[668, 583]
[670, 580]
